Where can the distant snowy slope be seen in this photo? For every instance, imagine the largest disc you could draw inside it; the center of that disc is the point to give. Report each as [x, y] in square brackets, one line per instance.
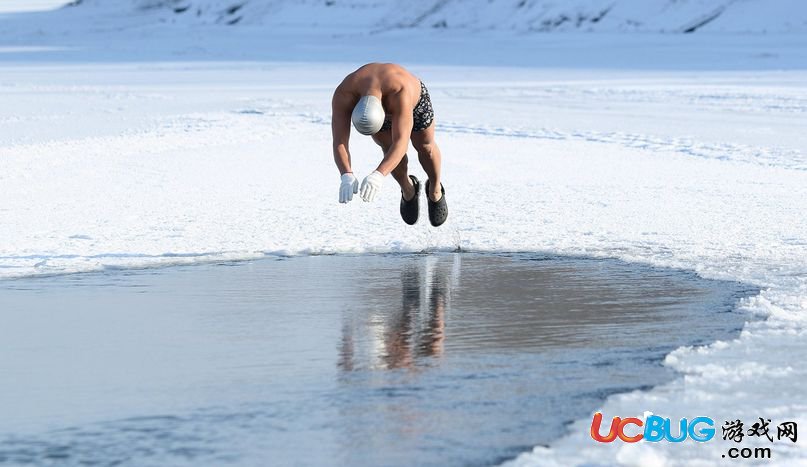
[676, 16]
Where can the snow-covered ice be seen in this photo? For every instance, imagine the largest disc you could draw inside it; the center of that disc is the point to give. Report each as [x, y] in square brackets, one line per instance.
[671, 16]
[147, 145]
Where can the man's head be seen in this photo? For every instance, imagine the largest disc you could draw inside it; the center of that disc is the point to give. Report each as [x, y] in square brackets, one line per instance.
[368, 115]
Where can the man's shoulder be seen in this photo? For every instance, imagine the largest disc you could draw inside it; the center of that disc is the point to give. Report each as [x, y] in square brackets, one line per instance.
[343, 97]
[406, 91]
[347, 86]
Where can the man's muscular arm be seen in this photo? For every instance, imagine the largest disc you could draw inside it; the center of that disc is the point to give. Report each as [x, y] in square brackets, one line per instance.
[341, 107]
[340, 126]
[402, 123]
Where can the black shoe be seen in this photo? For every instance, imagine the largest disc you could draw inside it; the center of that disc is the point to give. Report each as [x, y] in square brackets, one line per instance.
[410, 210]
[438, 210]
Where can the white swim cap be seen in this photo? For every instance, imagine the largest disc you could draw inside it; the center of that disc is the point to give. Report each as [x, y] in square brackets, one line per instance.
[368, 115]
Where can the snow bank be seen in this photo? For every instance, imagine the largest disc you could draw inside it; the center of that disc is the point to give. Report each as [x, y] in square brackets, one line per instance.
[673, 16]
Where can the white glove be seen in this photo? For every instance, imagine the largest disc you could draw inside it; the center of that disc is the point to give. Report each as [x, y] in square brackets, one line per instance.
[371, 185]
[349, 186]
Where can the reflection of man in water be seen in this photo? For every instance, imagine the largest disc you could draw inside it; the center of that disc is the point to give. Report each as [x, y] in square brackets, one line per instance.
[409, 334]
[431, 343]
[404, 328]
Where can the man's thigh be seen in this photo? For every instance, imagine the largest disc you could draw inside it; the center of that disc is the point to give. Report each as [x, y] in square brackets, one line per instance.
[421, 140]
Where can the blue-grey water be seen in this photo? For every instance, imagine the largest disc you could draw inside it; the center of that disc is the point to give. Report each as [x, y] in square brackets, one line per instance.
[454, 359]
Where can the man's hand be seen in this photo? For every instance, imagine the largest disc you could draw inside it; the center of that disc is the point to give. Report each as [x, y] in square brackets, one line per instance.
[371, 186]
[349, 186]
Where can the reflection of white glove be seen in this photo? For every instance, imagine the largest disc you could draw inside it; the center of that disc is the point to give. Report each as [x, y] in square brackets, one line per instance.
[349, 186]
[371, 185]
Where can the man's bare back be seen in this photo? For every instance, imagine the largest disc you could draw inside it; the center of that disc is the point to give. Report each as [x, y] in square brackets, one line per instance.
[392, 105]
[385, 79]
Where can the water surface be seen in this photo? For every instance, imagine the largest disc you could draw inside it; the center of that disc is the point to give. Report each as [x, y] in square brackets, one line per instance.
[455, 359]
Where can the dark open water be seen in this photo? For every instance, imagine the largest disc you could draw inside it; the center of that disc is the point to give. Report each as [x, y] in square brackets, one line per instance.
[455, 359]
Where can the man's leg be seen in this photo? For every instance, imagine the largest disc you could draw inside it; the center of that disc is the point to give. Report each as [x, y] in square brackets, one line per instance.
[429, 157]
[401, 172]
